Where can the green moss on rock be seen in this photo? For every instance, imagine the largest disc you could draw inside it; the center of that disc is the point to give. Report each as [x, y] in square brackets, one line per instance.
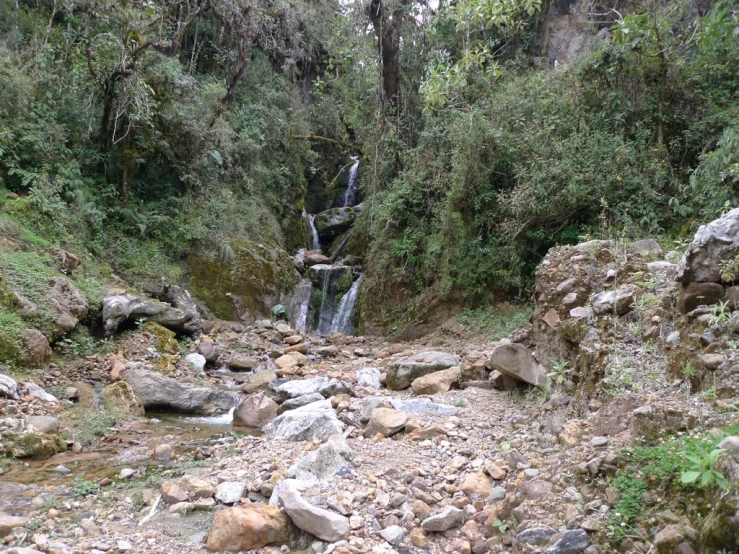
[38, 446]
[164, 338]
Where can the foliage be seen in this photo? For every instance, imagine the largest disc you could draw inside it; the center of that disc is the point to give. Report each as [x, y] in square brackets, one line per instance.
[81, 487]
[559, 372]
[702, 470]
[497, 322]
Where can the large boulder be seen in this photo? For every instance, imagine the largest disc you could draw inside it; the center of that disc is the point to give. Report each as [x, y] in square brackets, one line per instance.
[313, 421]
[617, 301]
[245, 281]
[713, 243]
[692, 295]
[386, 422]
[515, 361]
[157, 391]
[324, 524]
[38, 351]
[180, 299]
[300, 387]
[255, 411]
[331, 223]
[120, 397]
[322, 462]
[8, 387]
[402, 373]
[126, 307]
[439, 381]
[248, 527]
[68, 303]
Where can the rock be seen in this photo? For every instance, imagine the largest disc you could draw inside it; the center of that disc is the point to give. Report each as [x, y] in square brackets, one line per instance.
[650, 247]
[418, 538]
[333, 222]
[385, 421]
[477, 484]
[196, 361]
[291, 359]
[196, 487]
[124, 546]
[255, 411]
[8, 387]
[65, 261]
[572, 542]
[258, 381]
[181, 300]
[449, 518]
[120, 396]
[692, 295]
[515, 361]
[294, 403]
[182, 508]
[120, 308]
[501, 381]
[599, 441]
[335, 387]
[393, 534]
[617, 301]
[204, 504]
[230, 492]
[68, 303]
[537, 489]
[300, 387]
[324, 524]
[248, 527]
[712, 244]
[426, 433]
[314, 258]
[242, 363]
[368, 377]
[126, 473]
[44, 424]
[163, 452]
[37, 392]
[422, 406]
[172, 494]
[8, 523]
[537, 536]
[649, 423]
[439, 381]
[323, 462]
[156, 391]
[207, 350]
[314, 421]
[402, 373]
[38, 351]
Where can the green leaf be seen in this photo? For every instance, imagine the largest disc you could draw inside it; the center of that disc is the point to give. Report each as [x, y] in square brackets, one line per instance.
[690, 477]
[706, 478]
[721, 481]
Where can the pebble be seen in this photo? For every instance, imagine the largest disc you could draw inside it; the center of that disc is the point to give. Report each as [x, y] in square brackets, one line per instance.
[599, 441]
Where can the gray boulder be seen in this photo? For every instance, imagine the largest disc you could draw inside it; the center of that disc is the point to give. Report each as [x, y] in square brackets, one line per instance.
[157, 391]
[447, 519]
[617, 301]
[300, 387]
[324, 524]
[574, 541]
[401, 374]
[313, 421]
[126, 307]
[294, 403]
[713, 243]
[322, 462]
[8, 387]
[68, 303]
[515, 361]
[368, 377]
[331, 223]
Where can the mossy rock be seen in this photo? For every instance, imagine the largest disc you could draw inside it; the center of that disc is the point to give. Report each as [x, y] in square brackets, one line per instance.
[164, 338]
[244, 281]
[167, 363]
[120, 397]
[38, 446]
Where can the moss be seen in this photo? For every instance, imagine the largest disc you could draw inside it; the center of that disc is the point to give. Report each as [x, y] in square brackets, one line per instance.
[39, 446]
[256, 273]
[11, 337]
[345, 283]
[164, 338]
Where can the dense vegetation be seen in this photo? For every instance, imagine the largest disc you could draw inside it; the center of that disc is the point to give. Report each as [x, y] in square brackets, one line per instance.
[138, 131]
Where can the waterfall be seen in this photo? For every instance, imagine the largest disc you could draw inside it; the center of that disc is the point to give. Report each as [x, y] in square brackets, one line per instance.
[302, 318]
[315, 243]
[342, 321]
[324, 315]
[348, 198]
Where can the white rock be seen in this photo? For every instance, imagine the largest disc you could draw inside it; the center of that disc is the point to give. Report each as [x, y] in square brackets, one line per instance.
[197, 361]
[313, 421]
[230, 492]
[324, 524]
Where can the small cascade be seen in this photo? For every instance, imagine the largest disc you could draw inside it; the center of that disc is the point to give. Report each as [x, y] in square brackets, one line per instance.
[301, 319]
[348, 198]
[315, 243]
[342, 321]
[325, 315]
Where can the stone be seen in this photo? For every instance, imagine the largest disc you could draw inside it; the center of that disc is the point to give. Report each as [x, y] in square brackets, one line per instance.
[501, 381]
[44, 424]
[599, 441]
[477, 484]
[314, 421]
[333, 222]
[617, 301]
[324, 524]
[649, 247]
[120, 396]
[423, 406]
[196, 361]
[8, 523]
[291, 359]
[124, 546]
[323, 462]
[447, 519]
[304, 400]
[69, 304]
[163, 452]
[515, 361]
[37, 350]
[8, 387]
[37, 392]
[182, 508]
[494, 470]
[667, 539]
[385, 421]
[572, 542]
[242, 363]
[692, 295]
[126, 473]
[157, 391]
[368, 377]
[204, 504]
[196, 487]
[230, 492]
[402, 373]
[248, 527]
[713, 243]
[439, 381]
[258, 381]
[39, 446]
[537, 536]
[255, 411]
[537, 489]
[126, 307]
[426, 433]
[418, 538]
[300, 387]
[207, 349]
[173, 494]
[393, 534]
[335, 387]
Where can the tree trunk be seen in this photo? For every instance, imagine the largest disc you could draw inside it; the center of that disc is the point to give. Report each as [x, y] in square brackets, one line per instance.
[387, 31]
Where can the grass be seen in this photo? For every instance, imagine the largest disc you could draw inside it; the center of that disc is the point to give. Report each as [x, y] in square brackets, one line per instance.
[496, 321]
[87, 427]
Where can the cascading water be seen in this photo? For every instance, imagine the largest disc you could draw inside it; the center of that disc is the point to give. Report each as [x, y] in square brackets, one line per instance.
[315, 243]
[348, 198]
[324, 314]
[342, 321]
[301, 320]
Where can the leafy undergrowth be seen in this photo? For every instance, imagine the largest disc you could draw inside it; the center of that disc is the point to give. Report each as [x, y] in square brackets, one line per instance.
[664, 468]
[497, 321]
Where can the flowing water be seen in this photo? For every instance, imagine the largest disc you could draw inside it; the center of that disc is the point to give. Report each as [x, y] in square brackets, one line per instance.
[301, 318]
[315, 243]
[325, 313]
[348, 198]
[342, 321]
